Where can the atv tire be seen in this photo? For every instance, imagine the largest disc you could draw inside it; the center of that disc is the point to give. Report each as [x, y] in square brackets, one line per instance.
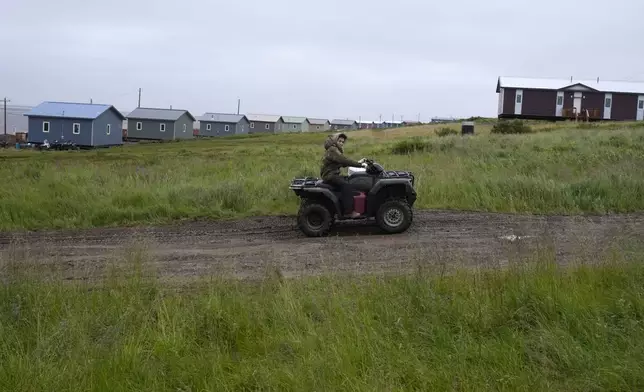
[394, 216]
[314, 219]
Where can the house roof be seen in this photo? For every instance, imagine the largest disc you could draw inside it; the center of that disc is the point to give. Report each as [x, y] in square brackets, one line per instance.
[318, 121]
[88, 111]
[221, 117]
[262, 117]
[293, 120]
[158, 114]
[342, 122]
[559, 84]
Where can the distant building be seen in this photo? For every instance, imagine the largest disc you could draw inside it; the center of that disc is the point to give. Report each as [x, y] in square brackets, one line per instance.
[17, 122]
[221, 124]
[343, 124]
[287, 124]
[85, 124]
[262, 123]
[319, 125]
[553, 99]
[160, 124]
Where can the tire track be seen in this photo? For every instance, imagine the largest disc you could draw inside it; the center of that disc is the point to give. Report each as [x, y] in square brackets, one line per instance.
[250, 248]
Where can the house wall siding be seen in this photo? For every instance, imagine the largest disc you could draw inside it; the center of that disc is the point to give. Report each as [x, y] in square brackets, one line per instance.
[184, 122]
[242, 127]
[150, 129]
[60, 129]
[101, 138]
[538, 103]
[624, 107]
[260, 127]
[509, 95]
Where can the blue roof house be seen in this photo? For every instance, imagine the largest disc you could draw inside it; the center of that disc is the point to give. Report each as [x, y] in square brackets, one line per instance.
[86, 124]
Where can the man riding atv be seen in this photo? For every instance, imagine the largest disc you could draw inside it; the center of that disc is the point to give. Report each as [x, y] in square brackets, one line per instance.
[332, 162]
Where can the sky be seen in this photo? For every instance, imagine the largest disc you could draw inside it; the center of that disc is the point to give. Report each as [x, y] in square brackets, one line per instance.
[358, 59]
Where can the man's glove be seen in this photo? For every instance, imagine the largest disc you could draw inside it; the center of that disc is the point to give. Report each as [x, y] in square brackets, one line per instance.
[365, 164]
[362, 160]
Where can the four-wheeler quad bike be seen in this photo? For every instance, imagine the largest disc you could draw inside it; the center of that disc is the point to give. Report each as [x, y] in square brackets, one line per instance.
[387, 196]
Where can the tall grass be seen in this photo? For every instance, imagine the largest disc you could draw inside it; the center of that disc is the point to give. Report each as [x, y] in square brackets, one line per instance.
[564, 170]
[534, 328]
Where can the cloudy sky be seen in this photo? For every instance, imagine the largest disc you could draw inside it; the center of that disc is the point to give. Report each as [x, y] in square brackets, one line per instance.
[330, 58]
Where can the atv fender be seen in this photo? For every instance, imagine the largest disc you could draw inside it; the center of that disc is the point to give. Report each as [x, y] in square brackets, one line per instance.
[321, 193]
[390, 187]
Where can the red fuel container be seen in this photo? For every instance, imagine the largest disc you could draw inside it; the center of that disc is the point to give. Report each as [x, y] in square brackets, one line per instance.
[359, 202]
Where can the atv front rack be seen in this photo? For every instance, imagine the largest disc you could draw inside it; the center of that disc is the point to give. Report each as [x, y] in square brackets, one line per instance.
[299, 183]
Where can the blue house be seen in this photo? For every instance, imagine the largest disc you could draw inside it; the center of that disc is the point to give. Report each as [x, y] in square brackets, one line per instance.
[85, 124]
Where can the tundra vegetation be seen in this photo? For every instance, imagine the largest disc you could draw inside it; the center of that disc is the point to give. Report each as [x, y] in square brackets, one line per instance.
[533, 325]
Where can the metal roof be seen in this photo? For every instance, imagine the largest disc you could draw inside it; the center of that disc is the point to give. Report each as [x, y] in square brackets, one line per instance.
[558, 84]
[262, 117]
[158, 114]
[221, 117]
[318, 121]
[71, 110]
[293, 120]
[342, 122]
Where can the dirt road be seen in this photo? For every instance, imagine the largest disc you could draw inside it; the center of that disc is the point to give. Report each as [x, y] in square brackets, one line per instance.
[251, 247]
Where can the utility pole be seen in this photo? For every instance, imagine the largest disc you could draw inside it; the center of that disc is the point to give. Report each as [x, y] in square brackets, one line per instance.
[238, 104]
[5, 117]
[139, 98]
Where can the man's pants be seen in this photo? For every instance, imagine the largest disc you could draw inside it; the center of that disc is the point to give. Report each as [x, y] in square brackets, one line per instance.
[346, 191]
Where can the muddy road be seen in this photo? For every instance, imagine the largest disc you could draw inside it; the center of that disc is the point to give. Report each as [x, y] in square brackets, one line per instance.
[251, 248]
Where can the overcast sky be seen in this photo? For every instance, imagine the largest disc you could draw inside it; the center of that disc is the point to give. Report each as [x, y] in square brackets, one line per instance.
[331, 58]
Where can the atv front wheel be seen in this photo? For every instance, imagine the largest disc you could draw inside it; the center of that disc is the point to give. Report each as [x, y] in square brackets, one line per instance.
[314, 219]
[394, 216]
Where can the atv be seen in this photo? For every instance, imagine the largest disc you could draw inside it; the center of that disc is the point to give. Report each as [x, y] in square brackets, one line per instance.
[387, 196]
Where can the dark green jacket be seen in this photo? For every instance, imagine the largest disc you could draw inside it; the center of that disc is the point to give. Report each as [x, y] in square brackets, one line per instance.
[334, 159]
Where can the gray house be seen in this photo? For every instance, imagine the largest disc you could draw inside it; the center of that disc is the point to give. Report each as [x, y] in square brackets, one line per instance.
[319, 125]
[221, 124]
[292, 124]
[160, 124]
[344, 124]
[86, 124]
[262, 123]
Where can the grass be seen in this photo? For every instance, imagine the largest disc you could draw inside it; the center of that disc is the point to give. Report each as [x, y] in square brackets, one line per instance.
[535, 327]
[556, 169]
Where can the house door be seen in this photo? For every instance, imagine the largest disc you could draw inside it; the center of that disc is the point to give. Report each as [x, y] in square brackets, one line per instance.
[640, 108]
[608, 103]
[518, 102]
[559, 106]
[576, 103]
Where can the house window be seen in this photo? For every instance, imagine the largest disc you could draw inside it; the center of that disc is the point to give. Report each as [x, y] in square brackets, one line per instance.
[518, 98]
[162, 127]
[607, 103]
[139, 126]
[641, 105]
[185, 127]
[76, 128]
[560, 100]
[252, 125]
[294, 126]
[45, 126]
[208, 127]
[318, 127]
[226, 127]
[109, 128]
[267, 126]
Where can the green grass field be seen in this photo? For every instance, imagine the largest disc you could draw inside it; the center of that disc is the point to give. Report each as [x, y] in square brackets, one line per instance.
[563, 169]
[530, 328]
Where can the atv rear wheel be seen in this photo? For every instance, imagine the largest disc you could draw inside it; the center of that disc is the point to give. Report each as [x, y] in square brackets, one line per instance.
[314, 219]
[394, 216]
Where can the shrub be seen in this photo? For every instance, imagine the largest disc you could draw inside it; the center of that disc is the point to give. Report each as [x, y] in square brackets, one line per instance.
[446, 131]
[511, 127]
[409, 146]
